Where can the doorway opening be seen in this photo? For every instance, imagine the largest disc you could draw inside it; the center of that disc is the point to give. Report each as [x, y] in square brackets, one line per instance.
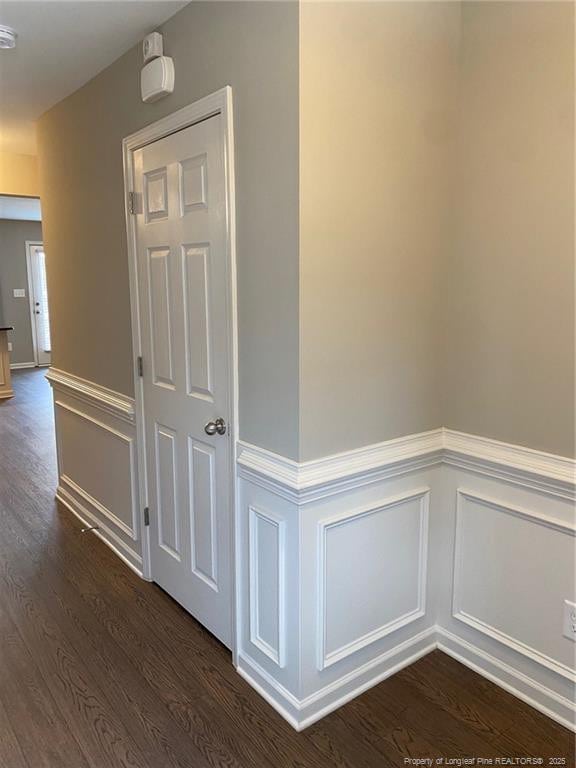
[24, 317]
[38, 296]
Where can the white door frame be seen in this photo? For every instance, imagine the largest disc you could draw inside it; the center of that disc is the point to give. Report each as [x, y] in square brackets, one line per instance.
[29, 245]
[216, 103]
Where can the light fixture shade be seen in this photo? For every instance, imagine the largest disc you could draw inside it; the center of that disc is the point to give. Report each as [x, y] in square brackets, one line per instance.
[7, 37]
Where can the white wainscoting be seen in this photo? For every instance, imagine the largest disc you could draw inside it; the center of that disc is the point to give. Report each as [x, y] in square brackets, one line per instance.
[353, 566]
[354, 550]
[97, 461]
[267, 597]
[442, 540]
[362, 553]
[502, 552]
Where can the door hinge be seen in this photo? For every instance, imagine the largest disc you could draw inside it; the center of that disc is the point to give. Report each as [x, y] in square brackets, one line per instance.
[132, 202]
[140, 366]
[146, 516]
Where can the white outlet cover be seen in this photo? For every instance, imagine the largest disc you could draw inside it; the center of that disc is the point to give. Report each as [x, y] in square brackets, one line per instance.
[569, 620]
[19, 293]
[9, 346]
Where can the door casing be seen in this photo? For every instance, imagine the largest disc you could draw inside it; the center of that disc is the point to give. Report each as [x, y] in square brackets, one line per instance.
[220, 103]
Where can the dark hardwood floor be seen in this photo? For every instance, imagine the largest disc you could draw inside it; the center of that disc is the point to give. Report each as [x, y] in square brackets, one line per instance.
[99, 668]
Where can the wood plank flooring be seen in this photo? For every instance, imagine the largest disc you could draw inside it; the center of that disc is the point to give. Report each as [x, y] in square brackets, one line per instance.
[99, 669]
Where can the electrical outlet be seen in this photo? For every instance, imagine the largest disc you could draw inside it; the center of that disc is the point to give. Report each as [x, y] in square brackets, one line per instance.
[19, 293]
[569, 620]
[9, 346]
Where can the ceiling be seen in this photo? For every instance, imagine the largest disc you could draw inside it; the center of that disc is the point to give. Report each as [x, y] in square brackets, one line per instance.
[61, 45]
[20, 208]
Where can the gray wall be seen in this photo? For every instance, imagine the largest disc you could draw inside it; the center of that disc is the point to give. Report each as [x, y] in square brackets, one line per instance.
[437, 222]
[376, 145]
[253, 47]
[416, 268]
[509, 282]
[13, 274]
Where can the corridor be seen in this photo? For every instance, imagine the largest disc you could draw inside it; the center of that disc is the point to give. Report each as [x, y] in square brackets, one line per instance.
[99, 668]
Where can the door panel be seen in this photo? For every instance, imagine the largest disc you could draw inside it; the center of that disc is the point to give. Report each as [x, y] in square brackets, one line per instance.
[167, 487]
[160, 302]
[204, 532]
[197, 319]
[183, 288]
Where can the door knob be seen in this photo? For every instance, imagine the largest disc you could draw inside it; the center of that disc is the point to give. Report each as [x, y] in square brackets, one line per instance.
[219, 425]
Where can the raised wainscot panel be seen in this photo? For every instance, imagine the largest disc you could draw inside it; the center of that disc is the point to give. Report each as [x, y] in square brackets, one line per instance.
[267, 552]
[98, 477]
[513, 569]
[372, 573]
[91, 453]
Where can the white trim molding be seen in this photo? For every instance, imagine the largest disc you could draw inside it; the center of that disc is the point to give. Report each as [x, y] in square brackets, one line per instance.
[301, 713]
[533, 469]
[20, 366]
[309, 481]
[92, 394]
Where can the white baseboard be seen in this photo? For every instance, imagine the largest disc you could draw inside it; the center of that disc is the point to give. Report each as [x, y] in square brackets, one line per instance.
[557, 707]
[103, 532]
[301, 713]
[19, 366]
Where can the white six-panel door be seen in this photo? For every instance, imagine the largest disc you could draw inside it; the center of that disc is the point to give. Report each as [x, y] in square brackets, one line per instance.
[183, 292]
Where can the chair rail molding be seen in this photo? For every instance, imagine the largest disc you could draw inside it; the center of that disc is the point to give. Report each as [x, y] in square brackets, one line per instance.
[100, 397]
[528, 467]
[311, 480]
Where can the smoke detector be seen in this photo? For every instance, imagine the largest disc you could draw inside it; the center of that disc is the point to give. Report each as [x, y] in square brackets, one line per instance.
[7, 37]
